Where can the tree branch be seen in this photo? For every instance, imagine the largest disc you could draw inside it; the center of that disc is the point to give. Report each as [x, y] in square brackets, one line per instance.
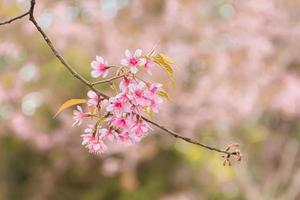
[189, 140]
[92, 85]
[14, 19]
[107, 80]
[55, 52]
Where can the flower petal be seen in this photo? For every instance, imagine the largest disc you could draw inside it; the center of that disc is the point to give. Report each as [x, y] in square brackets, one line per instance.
[127, 53]
[124, 62]
[142, 62]
[105, 74]
[94, 64]
[95, 73]
[138, 53]
[79, 108]
[100, 59]
[91, 94]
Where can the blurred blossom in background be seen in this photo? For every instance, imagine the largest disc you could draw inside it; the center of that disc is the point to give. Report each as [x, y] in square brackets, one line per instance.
[238, 79]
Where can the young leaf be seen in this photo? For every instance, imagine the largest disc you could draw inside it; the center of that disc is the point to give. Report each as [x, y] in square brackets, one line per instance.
[68, 104]
[148, 112]
[168, 60]
[164, 94]
[160, 60]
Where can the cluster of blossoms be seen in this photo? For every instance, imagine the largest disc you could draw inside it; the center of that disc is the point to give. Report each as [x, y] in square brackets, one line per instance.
[119, 118]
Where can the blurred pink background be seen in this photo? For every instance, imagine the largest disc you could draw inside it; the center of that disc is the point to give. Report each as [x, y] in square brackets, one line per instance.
[238, 79]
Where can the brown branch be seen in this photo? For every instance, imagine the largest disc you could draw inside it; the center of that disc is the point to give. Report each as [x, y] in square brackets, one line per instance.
[92, 85]
[55, 52]
[14, 19]
[189, 140]
[107, 80]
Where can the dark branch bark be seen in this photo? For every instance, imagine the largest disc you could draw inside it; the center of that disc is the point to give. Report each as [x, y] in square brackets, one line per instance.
[14, 19]
[189, 140]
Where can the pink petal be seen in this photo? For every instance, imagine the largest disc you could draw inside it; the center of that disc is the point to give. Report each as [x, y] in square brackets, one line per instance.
[79, 108]
[91, 94]
[138, 53]
[100, 59]
[142, 61]
[95, 73]
[127, 53]
[124, 62]
[94, 64]
[105, 74]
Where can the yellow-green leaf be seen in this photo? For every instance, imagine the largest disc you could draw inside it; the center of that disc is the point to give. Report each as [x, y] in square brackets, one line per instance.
[69, 103]
[92, 109]
[164, 94]
[165, 64]
[169, 60]
[148, 112]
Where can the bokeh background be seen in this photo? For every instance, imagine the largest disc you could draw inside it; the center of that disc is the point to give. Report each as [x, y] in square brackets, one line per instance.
[237, 80]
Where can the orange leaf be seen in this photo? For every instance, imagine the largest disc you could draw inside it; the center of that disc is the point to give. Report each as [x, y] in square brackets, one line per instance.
[68, 104]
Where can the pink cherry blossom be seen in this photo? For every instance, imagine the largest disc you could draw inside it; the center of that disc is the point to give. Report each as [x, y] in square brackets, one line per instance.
[148, 66]
[110, 133]
[99, 67]
[154, 102]
[140, 127]
[120, 122]
[78, 116]
[120, 112]
[126, 81]
[154, 88]
[138, 94]
[153, 97]
[133, 60]
[117, 104]
[89, 129]
[124, 138]
[93, 98]
[93, 143]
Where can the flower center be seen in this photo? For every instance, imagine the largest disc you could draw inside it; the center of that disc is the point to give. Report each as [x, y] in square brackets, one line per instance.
[118, 104]
[102, 66]
[133, 61]
[138, 93]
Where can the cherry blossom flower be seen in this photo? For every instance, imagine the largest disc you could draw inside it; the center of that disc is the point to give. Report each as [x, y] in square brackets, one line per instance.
[99, 67]
[89, 129]
[154, 88]
[121, 113]
[78, 116]
[118, 105]
[124, 138]
[140, 127]
[93, 98]
[120, 122]
[149, 66]
[154, 102]
[154, 98]
[138, 94]
[133, 60]
[93, 143]
[126, 81]
[110, 133]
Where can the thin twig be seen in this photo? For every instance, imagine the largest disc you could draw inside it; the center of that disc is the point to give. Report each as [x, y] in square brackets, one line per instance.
[55, 52]
[92, 85]
[14, 19]
[107, 80]
[189, 140]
